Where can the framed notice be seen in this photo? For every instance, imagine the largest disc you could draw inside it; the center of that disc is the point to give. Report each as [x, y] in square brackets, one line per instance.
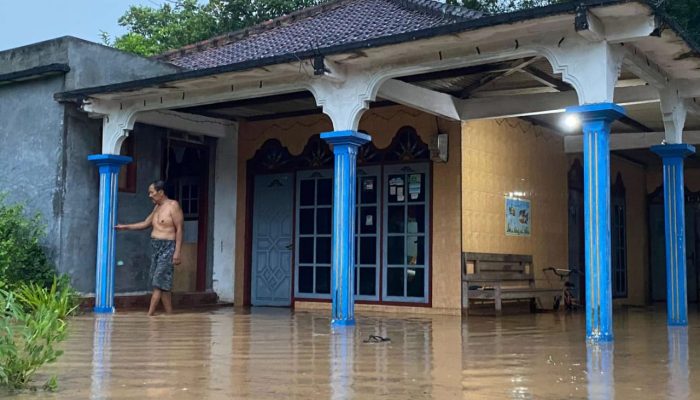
[517, 217]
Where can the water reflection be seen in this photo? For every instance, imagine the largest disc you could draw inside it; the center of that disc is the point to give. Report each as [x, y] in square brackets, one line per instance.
[101, 354]
[601, 371]
[679, 372]
[274, 354]
[342, 354]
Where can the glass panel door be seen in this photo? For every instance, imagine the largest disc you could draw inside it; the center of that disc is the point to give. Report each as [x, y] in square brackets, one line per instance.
[367, 233]
[406, 229]
[314, 219]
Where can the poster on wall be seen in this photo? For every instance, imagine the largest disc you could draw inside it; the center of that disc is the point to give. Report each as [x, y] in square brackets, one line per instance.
[517, 217]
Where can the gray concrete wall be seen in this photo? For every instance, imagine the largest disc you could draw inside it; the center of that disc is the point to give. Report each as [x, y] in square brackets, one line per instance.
[97, 65]
[43, 53]
[80, 207]
[31, 142]
[44, 147]
[91, 64]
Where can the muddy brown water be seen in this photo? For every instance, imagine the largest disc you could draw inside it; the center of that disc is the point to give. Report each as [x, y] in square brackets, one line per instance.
[278, 354]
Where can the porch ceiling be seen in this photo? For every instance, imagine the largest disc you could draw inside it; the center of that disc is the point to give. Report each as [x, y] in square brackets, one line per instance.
[496, 80]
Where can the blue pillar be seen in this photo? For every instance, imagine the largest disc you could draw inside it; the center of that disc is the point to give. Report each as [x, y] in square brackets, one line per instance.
[674, 218]
[109, 166]
[345, 146]
[596, 120]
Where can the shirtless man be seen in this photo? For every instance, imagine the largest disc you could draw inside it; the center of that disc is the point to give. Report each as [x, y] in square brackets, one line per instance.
[166, 243]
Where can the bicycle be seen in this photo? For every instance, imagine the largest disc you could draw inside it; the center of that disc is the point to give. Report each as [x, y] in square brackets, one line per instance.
[570, 302]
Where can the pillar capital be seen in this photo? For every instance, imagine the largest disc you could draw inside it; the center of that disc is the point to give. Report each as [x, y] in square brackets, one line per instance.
[346, 138]
[592, 68]
[605, 112]
[346, 96]
[674, 111]
[109, 161]
[669, 151]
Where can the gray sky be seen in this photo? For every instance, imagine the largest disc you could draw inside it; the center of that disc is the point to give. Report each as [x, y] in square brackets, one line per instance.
[24, 22]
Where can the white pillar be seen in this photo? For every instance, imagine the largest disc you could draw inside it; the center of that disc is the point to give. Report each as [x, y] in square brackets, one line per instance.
[225, 202]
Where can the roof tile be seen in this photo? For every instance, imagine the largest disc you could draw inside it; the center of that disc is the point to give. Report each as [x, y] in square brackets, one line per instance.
[331, 24]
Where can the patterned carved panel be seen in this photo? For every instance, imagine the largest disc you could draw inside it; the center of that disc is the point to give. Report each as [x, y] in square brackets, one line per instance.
[407, 146]
[316, 154]
[271, 157]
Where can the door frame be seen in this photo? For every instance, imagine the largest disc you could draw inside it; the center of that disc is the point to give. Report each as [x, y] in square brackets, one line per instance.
[203, 203]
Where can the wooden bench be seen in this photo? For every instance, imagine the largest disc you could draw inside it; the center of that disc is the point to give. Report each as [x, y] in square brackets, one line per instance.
[498, 277]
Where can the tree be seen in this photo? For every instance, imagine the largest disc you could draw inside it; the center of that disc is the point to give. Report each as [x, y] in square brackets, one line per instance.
[181, 22]
[503, 6]
[685, 12]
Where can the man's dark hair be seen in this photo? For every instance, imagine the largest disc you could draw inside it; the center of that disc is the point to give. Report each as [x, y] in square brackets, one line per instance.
[158, 185]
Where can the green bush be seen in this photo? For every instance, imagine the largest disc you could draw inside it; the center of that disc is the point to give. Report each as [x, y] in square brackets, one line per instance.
[32, 323]
[22, 259]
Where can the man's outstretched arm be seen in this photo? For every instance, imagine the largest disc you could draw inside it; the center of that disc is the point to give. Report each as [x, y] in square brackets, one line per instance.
[145, 224]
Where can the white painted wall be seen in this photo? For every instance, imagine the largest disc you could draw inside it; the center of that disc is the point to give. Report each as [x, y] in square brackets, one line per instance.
[224, 249]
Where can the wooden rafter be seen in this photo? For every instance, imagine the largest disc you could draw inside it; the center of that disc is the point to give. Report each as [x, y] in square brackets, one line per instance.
[546, 79]
[515, 66]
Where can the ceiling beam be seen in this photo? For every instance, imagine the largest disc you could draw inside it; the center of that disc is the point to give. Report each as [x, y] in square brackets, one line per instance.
[513, 92]
[613, 30]
[688, 89]
[629, 141]
[288, 114]
[420, 98]
[186, 122]
[313, 111]
[544, 103]
[636, 62]
[253, 101]
[635, 124]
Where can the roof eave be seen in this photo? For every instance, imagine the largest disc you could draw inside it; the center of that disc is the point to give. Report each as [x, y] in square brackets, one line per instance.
[484, 22]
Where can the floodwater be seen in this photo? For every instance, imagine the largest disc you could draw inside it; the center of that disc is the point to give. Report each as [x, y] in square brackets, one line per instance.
[277, 354]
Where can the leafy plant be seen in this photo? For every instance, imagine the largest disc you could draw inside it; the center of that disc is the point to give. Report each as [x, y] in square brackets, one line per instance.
[22, 258]
[60, 297]
[32, 323]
